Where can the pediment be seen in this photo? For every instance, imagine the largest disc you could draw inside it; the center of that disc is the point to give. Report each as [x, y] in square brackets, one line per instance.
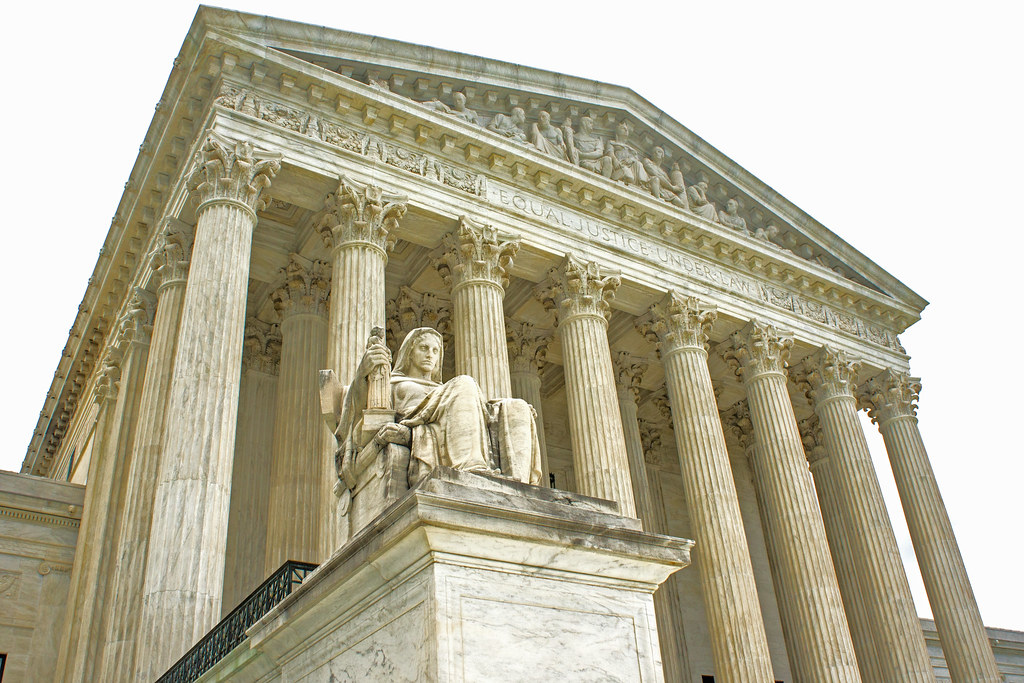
[430, 79]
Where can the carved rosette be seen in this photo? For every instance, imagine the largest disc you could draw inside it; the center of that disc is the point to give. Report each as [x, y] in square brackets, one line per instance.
[173, 252]
[629, 373]
[475, 252]
[678, 322]
[135, 326]
[306, 288]
[578, 288]
[889, 395]
[527, 347]
[813, 440]
[757, 349]
[358, 213]
[826, 375]
[650, 441]
[736, 421]
[262, 347]
[232, 171]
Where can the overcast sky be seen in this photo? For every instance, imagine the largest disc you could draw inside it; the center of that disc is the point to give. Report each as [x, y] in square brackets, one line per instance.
[897, 125]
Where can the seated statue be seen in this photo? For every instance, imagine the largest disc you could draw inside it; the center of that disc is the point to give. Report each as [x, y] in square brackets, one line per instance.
[449, 424]
[730, 216]
[670, 188]
[511, 125]
[589, 149]
[547, 138]
[625, 162]
[461, 111]
[697, 195]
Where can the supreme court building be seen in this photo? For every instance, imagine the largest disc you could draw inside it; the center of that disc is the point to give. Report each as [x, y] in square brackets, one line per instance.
[694, 347]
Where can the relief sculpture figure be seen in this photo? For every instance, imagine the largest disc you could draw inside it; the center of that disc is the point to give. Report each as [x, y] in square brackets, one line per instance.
[449, 424]
[510, 125]
[590, 149]
[730, 216]
[699, 204]
[547, 138]
[663, 186]
[626, 164]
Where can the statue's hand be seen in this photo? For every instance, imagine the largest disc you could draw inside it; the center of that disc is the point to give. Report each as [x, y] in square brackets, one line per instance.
[376, 355]
[394, 433]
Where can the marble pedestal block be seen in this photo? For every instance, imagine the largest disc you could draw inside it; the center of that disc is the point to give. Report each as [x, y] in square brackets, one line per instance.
[470, 578]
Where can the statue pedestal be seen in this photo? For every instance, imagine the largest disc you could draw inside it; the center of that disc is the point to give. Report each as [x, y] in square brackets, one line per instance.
[472, 578]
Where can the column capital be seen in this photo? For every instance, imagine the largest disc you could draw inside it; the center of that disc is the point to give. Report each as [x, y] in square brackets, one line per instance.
[889, 395]
[813, 440]
[411, 309]
[527, 346]
[678, 322]
[826, 374]
[262, 347]
[135, 326]
[232, 171]
[756, 349]
[578, 288]
[305, 290]
[108, 378]
[475, 251]
[736, 420]
[650, 441]
[629, 373]
[172, 254]
[659, 398]
[361, 213]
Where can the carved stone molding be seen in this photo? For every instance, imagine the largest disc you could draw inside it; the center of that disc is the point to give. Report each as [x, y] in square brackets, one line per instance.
[135, 326]
[736, 421]
[473, 252]
[173, 252]
[46, 567]
[262, 347]
[306, 288]
[527, 346]
[629, 373]
[356, 212]
[677, 322]
[889, 395]
[232, 170]
[757, 349]
[827, 374]
[578, 287]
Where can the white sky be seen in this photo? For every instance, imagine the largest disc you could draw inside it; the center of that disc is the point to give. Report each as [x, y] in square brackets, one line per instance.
[897, 125]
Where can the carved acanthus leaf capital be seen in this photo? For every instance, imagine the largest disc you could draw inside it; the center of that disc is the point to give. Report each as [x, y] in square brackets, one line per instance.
[108, 378]
[736, 421]
[173, 251]
[889, 395]
[677, 322]
[650, 441]
[412, 309]
[757, 349]
[232, 170]
[262, 347]
[361, 213]
[135, 326]
[475, 251]
[527, 346]
[305, 290]
[827, 374]
[660, 400]
[629, 373]
[813, 439]
[578, 287]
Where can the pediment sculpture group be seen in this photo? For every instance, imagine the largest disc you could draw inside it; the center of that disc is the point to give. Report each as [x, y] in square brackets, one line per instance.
[615, 159]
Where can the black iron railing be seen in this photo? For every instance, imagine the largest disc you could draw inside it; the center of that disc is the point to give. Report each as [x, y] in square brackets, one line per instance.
[226, 635]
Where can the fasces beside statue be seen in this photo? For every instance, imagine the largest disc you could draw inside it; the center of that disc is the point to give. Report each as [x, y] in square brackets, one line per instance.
[446, 424]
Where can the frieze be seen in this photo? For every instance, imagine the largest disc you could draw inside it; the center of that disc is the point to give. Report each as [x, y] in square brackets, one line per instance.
[697, 268]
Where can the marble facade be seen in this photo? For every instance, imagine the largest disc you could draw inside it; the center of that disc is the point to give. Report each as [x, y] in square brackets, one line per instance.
[694, 347]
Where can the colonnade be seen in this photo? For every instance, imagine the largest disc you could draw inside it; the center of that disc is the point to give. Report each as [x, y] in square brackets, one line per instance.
[843, 595]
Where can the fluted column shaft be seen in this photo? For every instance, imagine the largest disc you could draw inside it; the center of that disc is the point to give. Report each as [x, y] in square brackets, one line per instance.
[356, 304]
[185, 563]
[958, 621]
[297, 469]
[899, 644]
[814, 625]
[857, 616]
[526, 385]
[172, 260]
[527, 354]
[629, 375]
[735, 626]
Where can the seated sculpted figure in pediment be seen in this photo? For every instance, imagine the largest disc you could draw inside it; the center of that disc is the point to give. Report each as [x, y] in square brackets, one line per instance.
[446, 424]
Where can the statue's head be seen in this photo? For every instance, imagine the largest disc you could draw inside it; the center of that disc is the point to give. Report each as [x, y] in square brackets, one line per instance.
[518, 115]
[460, 100]
[421, 347]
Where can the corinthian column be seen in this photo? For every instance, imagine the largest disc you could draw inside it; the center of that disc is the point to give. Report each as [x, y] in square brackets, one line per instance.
[813, 623]
[899, 643]
[628, 374]
[301, 450]
[736, 629]
[892, 400]
[473, 261]
[185, 564]
[578, 291]
[356, 227]
[171, 262]
[118, 391]
[527, 350]
[825, 485]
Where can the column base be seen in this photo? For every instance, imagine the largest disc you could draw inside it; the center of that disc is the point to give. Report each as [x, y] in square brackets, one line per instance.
[471, 578]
